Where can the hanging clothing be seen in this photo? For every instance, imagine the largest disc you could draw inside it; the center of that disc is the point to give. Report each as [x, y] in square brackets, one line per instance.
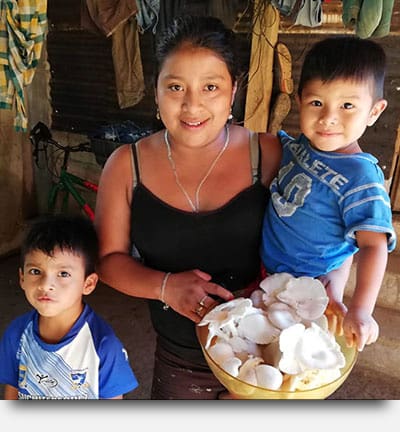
[107, 15]
[128, 68]
[309, 14]
[169, 9]
[118, 20]
[370, 19]
[23, 28]
[147, 16]
[286, 7]
[225, 10]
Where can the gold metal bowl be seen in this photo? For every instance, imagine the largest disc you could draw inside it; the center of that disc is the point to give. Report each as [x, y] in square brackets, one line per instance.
[242, 390]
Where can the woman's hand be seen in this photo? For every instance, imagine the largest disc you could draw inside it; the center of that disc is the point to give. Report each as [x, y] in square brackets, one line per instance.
[188, 293]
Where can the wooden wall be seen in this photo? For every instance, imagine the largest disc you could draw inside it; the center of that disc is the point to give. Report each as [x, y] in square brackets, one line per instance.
[83, 82]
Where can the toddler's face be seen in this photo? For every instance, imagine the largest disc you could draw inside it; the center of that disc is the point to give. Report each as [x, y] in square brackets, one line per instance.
[335, 114]
[54, 285]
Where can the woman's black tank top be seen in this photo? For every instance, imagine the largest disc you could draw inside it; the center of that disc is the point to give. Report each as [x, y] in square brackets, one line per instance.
[224, 243]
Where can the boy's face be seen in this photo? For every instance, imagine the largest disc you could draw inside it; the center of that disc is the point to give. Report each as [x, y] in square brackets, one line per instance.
[335, 114]
[54, 285]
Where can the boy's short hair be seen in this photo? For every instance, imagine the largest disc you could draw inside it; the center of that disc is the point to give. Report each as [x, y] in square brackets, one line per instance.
[71, 233]
[345, 57]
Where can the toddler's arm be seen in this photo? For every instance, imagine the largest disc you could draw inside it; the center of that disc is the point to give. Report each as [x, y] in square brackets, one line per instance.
[359, 326]
[335, 283]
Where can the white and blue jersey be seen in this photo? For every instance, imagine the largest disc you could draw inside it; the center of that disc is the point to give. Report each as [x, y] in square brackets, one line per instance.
[90, 362]
[319, 200]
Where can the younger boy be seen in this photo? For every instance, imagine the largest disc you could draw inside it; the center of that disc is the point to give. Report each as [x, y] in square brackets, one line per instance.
[329, 200]
[62, 349]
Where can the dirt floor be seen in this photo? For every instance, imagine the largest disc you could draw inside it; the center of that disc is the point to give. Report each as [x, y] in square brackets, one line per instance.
[130, 320]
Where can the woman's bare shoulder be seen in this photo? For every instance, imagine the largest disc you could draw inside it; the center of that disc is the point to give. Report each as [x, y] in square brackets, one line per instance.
[268, 140]
[122, 156]
[119, 156]
[271, 151]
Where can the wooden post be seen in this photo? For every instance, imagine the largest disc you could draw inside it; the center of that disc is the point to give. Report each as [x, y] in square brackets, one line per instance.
[265, 35]
[394, 175]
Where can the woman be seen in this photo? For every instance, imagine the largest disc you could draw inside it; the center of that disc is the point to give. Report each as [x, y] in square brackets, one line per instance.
[190, 199]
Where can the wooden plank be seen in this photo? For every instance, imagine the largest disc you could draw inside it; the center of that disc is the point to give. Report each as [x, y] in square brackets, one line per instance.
[264, 38]
[395, 172]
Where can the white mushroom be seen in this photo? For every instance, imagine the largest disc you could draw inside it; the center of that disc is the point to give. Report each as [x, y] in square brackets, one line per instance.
[221, 351]
[318, 349]
[257, 298]
[282, 315]
[243, 347]
[247, 371]
[253, 349]
[214, 329]
[257, 328]
[222, 319]
[278, 338]
[274, 284]
[306, 295]
[268, 376]
[227, 311]
[308, 348]
[231, 366]
[288, 341]
[238, 344]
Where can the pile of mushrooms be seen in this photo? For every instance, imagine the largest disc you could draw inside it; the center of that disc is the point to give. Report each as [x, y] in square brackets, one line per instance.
[278, 338]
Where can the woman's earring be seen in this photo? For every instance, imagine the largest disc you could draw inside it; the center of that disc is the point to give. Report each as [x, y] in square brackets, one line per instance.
[230, 116]
[158, 117]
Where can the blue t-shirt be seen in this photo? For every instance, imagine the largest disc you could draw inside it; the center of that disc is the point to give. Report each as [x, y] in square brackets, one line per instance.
[319, 200]
[90, 362]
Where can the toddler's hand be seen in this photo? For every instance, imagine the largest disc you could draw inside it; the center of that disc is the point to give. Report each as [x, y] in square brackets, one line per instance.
[360, 329]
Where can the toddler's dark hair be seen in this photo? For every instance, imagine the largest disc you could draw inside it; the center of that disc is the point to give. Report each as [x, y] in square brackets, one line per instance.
[345, 57]
[72, 233]
[200, 31]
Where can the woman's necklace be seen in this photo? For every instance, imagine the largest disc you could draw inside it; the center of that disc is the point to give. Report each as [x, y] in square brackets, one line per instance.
[195, 206]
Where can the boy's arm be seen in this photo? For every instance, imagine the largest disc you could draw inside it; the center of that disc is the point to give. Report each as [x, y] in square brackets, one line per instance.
[359, 325]
[335, 283]
[10, 392]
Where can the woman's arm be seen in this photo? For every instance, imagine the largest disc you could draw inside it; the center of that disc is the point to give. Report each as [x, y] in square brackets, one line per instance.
[271, 154]
[117, 268]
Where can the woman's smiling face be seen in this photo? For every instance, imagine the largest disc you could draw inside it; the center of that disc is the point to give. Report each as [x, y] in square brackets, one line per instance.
[194, 94]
